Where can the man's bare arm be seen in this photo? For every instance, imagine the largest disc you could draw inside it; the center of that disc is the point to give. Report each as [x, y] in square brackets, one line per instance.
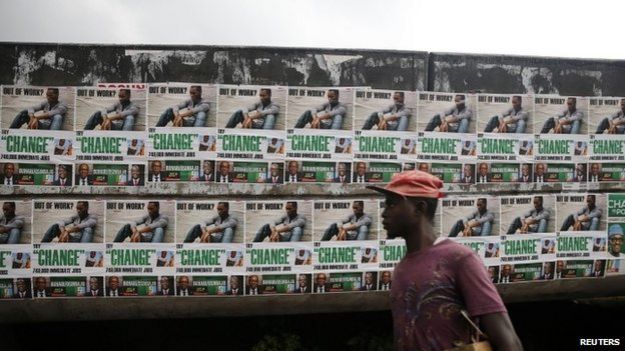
[500, 331]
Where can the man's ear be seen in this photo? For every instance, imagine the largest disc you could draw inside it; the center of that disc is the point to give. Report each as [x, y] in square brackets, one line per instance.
[421, 207]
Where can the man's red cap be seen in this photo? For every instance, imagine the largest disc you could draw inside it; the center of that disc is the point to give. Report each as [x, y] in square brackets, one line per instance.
[412, 184]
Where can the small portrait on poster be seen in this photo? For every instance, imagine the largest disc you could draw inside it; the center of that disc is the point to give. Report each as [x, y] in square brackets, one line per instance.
[62, 221]
[304, 284]
[386, 280]
[493, 274]
[38, 108]
[235, 285]
[615, 240]
[286, 221]
[210, 222]
[110, 109]
[251, 107]
[140, 221]
[320, 108]
[560, 115]
[505, 113]
[370, 280]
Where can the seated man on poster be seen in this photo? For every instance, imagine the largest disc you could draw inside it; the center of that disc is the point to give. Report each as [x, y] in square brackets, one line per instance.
[512, 120]
[614, 123]
[326, 116]
[11, 225]
[150, 228]
[353, 227]
[79, 228]
[478, 223]
[585, 219]
[532, 221]
[260, 115]
[47, 115]
[218, 229]
[394, 117]
[289, 227]
[453, 120]
[191, 112]
[567, 122]
[119, 116]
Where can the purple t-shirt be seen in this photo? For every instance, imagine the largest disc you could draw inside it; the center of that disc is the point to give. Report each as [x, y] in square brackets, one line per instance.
[429, 289]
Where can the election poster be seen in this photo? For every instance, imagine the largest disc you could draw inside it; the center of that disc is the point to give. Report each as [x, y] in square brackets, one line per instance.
[271, 284]
[37, 108]
[351, 220]
[336, 282]
[181, 144]
[16, 288]
[201, 285]
[251, 145]
[581, 213]
[38, 145]
[502, 172]
[173, 171]
[16, 222]
[67, 286]
[580, 268]
[559, 172]
[140, 222]
[111, 109]
[435, 146]
[39, 174]
[616, 228]
[446, 113]
[528, 248]
[380, 145]
[605, 172]
[306, 144]
[450, 173]
[312, 171]
[488, 248]
[248, 172]
[16, 261]
[505, 147]
[375, 171]
[62, 222]
[606, 147]
[467, 217]
[556, 114]
[522, 272]
[581, 245]
[175, 105]
[252, 107]
[320, 108]
[391, 252]
[606, 116]
[528, 214]
[73, 259]
[387, 111]
[564, 148]
[139, 285]
[505, 114]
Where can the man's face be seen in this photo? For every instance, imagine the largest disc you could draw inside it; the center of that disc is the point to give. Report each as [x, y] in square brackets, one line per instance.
[342, 169]
[540, 169]
[222, 211]
[481, 205]
[361, 168]
[559, 266]
[332, 97]
[483, 169]
[548, 267]
[113, 283]
[183, 282]
[21, 285]
[62, 172]
[8, 210]
[594, 169]
[252, 281]
[123, 96]
[94, 284]
[83, 170]
[459, 101]
[195, 94]
[538, 203]
[224, 168]
[516, 103]
[81, 210]
[396, 211]
[264, 97]
[590, 201]
[234, 283]
[207, 167]
[570, 104]
[525, 170]
[152, 210]
[61, 142]
[368, 278]
[290, 210]
[275, 170]
[616, 242]
[358, 209]
[623, 105]
[423, 167]
[52, 96]
[40, 283]
[505, 270]
[9, 170]
[386, 277]
[467, 170]
[134, 172]
[598, 265]
[398, 99]
[156, 167]
[321, 279]
[293, 167]
[302, 280]
[164, 283]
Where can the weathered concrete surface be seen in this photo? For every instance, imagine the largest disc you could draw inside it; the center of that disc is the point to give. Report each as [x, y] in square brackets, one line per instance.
[53, 64]
[202, 307]
[525, 74]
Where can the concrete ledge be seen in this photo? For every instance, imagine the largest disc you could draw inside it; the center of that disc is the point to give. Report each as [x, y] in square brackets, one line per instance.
[84, 309]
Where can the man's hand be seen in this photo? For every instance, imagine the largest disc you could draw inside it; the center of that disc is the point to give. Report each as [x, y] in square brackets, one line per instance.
[178, 120]
[33, 122]
[443, 127]
[64, 236]
[525, 228]
[503, 127]
[382, 124]
[315, 122]
[612, 129]
[342, 235]
[275, 236]
[136, 236]
[247, 123]
[106, 124]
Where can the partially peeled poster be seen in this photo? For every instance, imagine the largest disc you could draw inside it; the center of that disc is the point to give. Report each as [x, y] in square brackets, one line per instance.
[140, 250]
